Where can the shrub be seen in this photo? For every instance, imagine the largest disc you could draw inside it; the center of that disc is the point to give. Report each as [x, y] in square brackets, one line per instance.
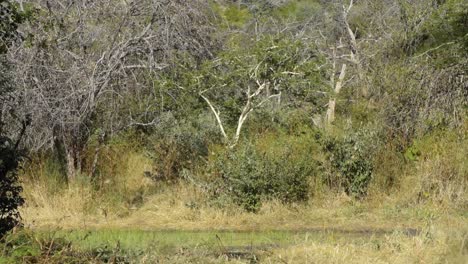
[248, 176]
[10, 198]
[422, 99]
[350, 160]
[180, 144]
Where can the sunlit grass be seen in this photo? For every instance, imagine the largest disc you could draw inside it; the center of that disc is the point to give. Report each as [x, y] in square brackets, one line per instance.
[430, 245]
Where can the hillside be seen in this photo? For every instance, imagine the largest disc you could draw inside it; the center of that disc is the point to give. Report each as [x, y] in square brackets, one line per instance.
[215, 125]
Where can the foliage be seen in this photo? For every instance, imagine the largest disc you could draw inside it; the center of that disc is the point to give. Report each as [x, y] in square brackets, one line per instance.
[287, 67]
[133, 91]
[178, 145]
[248, 176]
[350, 158]
[10, 190]
[448, 25]
[10, 18]
[275, 71]
[235, 16]
[298, 10]
[97, 57]
[421, 99]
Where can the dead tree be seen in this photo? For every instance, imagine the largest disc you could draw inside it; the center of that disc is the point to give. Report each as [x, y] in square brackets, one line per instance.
[345, 54]
[86, 57]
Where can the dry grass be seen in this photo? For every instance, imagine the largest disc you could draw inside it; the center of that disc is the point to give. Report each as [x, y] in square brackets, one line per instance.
[184, 207]
[443, 239]
[69, 205]
[439, 174]
[431, 196]
[394, 248]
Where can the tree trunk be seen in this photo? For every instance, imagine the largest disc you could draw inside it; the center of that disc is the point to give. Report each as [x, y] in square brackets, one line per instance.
[332, 102]
[101, 140]
[73, 159]
[1, 121]
[331, 111]
[71, 168]
[92, 175]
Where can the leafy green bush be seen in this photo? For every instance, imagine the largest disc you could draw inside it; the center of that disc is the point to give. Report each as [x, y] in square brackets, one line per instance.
[350, 160]
[180, 144]
[446, 27]
[10, 190]
[248, 176]
[297, 10]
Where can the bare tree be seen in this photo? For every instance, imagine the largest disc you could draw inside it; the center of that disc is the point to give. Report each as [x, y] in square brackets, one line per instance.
[344, 54]
[83, 58]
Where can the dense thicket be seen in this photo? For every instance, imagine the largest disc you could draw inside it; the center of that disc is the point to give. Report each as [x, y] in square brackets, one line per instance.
[350, 85]
[10, 191]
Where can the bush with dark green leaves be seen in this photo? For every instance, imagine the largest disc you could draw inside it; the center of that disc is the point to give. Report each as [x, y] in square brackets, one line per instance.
[248, 176]
[351, 161]
[177, 145]
[10, 17]
[10, 190]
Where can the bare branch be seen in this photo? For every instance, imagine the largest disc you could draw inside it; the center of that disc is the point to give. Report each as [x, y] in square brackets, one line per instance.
[218, 118]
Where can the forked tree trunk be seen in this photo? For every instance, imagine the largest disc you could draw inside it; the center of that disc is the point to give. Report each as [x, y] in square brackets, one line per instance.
[248, 108]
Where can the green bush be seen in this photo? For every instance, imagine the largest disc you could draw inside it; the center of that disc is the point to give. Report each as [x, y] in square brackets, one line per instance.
[248, 176]
[351, 161]
[180, 144]
[10, 190]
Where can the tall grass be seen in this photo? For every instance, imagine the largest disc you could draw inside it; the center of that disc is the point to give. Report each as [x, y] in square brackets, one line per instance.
[437, 170]
[119, 186]
[410, 190]
[429, 247]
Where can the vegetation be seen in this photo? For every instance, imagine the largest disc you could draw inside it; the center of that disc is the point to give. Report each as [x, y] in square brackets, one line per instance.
[234, 115]
[10, 198]
[10, 191]
[248, 176]
[348, 157]
[227, 247]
